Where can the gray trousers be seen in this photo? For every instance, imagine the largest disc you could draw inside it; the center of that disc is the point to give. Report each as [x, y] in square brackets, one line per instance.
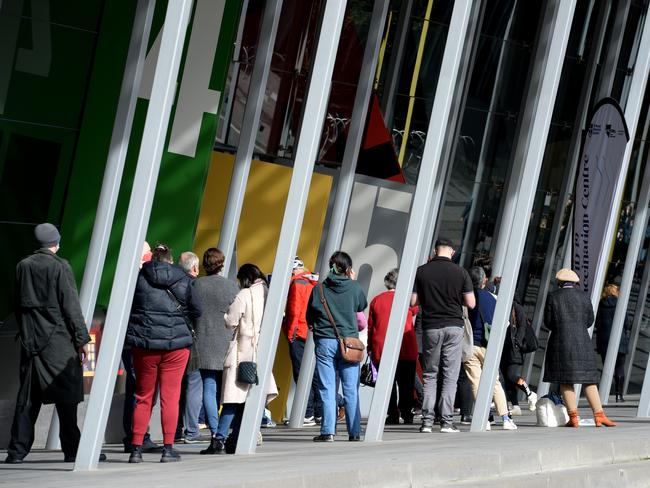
[441, 350]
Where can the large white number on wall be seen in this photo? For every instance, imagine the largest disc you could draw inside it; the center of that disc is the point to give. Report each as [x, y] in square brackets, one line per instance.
[364, 222]
[195, 97]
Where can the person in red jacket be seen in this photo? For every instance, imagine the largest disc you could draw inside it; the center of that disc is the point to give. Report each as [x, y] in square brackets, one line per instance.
[405, 374]
[295, 327]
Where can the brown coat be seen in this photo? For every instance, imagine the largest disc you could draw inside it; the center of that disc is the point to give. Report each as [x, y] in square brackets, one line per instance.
[244, 317]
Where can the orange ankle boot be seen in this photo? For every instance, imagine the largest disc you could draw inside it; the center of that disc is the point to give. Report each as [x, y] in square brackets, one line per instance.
[601, 419]
[573, 419]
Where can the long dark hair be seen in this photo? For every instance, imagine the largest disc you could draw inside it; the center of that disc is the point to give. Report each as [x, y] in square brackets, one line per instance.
[340, 263]
[248, 274]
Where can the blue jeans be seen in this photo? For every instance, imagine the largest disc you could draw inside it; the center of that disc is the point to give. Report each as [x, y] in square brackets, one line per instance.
[193, 403]
[211, 388]
[328, 363]
[231, 414]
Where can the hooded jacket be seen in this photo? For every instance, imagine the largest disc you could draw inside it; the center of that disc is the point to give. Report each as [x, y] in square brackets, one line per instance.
[156, 321]
[345, 298]
[295, 315]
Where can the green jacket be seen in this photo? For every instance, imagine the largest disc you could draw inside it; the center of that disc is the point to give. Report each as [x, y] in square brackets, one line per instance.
[345, 298]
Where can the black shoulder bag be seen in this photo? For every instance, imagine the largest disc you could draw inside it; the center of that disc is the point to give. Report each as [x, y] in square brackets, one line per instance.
[193, 362]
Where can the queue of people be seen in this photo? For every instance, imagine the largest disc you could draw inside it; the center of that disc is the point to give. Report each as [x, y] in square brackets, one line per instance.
[187, 330]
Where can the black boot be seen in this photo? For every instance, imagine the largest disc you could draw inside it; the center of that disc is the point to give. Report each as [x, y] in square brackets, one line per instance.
[619, 381]
[217, 446]
[136, 455]
[170, 455]
[230, 446]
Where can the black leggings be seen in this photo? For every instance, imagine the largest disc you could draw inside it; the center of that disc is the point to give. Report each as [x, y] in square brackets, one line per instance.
[511, 373]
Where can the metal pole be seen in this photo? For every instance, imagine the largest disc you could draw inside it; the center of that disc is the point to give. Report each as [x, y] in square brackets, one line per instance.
[112, 175]
[343, 191]
[306, 151]
[551, 48]
[396, 61]
[465, 253]
[441, 113]
[137, 220]
[620, 314]
[452, 137]
[568, 180]
[613, 50]
[249, 130]
[636, 324]
[632, 112]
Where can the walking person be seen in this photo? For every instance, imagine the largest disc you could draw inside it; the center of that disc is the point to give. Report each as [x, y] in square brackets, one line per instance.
[160, 338]
[295, 328]
[570, 358]
[441, 289]
[378, 317]
[512, 360]
[481, 316]
[603, 330]
[216, 294]
[54, 345]
[244, 319]
[344, 298]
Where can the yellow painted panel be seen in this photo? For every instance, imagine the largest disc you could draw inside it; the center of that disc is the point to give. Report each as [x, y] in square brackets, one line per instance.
[259, 230]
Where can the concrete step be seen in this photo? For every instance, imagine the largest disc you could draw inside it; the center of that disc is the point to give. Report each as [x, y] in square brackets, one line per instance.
[628, 475]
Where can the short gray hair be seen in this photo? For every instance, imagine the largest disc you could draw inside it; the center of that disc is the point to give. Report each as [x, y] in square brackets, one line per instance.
[188, 260]
[477, 274]
[390, 280]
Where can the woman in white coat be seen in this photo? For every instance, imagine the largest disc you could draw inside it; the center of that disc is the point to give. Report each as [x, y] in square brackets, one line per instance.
[244, 318]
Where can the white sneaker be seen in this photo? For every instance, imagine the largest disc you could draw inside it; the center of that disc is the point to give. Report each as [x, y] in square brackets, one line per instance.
[532, 401]
[449, 429]
[309, 422]
[508, 424]
[426, 429]
[515, 410]
[488, 427]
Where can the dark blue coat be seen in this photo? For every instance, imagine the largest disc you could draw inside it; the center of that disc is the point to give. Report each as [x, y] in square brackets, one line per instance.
[156, 322]
[603, 329]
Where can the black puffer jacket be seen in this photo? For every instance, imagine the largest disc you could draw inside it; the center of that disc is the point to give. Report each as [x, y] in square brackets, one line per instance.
[156, 322]
[570, 357]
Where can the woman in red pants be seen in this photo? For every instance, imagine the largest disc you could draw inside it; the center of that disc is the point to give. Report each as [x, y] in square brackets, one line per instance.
[159, 335]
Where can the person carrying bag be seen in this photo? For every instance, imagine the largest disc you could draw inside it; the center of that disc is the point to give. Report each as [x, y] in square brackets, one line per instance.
[332, 316]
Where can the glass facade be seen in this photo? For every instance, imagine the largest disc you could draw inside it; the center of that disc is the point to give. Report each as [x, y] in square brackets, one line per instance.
[50, 58]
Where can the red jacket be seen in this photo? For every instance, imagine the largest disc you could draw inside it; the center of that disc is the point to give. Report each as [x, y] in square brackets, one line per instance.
[295, 323]
[378, 323]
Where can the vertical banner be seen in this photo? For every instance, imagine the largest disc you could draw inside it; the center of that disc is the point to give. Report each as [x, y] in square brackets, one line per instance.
[598, 171]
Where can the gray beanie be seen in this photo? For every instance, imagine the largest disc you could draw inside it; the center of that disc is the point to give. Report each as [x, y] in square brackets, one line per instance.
[47, 235]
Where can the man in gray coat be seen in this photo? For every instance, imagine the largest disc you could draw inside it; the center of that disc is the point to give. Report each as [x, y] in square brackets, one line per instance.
[54, 344]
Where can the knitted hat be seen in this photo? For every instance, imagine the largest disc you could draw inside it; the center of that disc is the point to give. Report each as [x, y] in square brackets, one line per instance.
[47, 235]
[567, 275]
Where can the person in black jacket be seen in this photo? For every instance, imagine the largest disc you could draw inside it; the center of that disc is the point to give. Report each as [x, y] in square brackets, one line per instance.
[603, 329]
[53, 339]
[512, 360]
[160, 337]
[570, 357]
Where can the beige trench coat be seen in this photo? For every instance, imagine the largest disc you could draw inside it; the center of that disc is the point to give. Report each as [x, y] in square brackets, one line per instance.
[244, 317]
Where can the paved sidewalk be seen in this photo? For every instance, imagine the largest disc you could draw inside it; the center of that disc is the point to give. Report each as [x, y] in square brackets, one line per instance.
[530, 456]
